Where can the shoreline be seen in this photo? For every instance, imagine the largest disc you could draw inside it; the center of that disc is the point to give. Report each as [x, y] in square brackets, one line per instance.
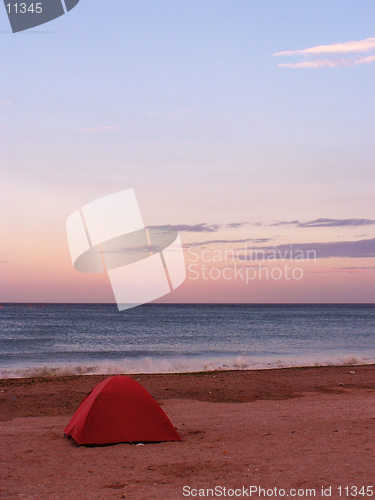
[181, 365]
[61, 395]
[197, 372]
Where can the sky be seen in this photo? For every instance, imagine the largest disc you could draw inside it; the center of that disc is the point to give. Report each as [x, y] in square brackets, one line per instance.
[245, 125]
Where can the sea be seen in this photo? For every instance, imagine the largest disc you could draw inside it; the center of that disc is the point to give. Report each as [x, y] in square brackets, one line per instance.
[44, 340]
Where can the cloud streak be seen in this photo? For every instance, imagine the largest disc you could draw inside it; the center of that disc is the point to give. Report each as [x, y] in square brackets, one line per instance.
[327, 223]
[343, 249]
[334, 49]
[202, 227]
[331, 63]
[197, 244]
[361, 249]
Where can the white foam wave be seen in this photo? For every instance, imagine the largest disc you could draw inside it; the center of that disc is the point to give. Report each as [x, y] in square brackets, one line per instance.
[180, 365]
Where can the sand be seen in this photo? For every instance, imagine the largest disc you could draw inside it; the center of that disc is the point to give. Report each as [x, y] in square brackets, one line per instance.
[290, 429]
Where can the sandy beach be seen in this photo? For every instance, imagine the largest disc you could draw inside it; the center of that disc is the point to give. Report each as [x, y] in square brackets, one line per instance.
[292, 430]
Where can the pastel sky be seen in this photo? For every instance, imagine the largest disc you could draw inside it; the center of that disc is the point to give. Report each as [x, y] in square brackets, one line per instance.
[237, 123]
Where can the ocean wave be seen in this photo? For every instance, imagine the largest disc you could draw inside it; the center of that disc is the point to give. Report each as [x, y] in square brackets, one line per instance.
[180, 365]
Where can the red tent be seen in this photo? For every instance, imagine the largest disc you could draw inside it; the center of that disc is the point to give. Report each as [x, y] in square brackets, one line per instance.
[119, 410]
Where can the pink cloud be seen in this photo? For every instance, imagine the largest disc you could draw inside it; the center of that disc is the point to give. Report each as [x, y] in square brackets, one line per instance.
[331, 63]
[334, 48]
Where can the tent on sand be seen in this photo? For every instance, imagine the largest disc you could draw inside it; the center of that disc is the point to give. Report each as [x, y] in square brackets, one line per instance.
[120, 410]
